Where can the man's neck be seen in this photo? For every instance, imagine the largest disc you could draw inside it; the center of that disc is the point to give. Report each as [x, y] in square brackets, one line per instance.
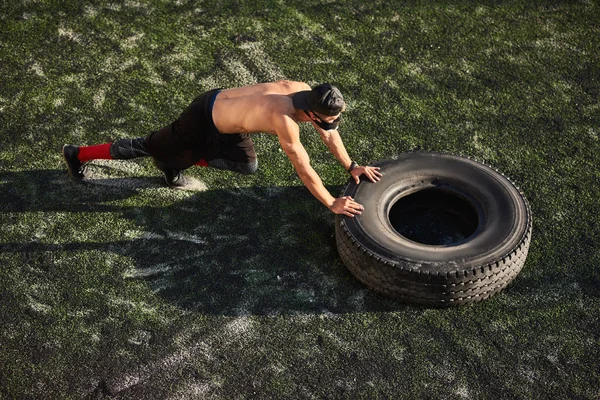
[300, 116]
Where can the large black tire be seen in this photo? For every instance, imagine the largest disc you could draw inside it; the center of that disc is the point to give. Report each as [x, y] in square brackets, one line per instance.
[471, 265]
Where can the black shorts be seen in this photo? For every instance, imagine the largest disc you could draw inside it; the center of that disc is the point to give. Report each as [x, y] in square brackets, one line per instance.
[193, 137]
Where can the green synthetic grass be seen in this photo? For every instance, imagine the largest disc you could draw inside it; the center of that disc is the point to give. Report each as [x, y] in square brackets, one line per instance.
[121, 288]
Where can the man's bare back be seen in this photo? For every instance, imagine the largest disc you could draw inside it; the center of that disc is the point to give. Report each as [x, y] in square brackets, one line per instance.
[253, 109]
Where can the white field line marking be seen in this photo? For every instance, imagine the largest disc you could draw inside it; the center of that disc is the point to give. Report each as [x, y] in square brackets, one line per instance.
[261, 60]
[69, 34]
[241, 73]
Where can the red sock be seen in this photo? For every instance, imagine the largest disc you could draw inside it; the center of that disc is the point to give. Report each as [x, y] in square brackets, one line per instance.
[99, 151]
[202, 163]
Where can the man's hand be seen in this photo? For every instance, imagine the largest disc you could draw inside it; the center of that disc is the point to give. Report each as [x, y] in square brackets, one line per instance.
[371, 172]
[347, 206]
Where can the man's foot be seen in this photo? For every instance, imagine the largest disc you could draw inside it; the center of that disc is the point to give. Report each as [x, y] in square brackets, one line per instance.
[76, 168]
[173, 177]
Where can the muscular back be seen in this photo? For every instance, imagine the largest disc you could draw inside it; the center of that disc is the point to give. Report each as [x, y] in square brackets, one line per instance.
[255, 108]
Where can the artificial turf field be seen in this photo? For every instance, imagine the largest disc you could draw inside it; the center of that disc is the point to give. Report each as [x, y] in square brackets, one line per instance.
[118, 287]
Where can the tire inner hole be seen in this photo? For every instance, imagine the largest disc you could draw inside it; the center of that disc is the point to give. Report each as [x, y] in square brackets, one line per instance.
[434, 216]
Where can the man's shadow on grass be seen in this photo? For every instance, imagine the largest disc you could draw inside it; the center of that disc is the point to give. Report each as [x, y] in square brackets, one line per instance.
[241, 251]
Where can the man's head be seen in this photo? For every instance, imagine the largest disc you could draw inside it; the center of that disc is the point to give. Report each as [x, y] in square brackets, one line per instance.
[323, 101]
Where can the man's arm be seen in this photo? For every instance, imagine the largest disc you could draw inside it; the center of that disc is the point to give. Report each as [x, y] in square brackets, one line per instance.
[334, 142]
[293, 148]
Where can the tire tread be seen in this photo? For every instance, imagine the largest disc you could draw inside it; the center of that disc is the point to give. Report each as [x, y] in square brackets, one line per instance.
[402, 280]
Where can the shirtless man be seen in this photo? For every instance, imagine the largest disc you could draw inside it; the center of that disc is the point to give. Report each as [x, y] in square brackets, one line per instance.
[214, 131]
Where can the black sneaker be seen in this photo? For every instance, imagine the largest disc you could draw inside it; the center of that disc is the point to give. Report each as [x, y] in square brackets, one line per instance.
[173, 177]
[76, 168]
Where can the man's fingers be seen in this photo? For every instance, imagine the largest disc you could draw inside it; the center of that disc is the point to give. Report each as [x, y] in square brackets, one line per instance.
[373, 177]
[347, 206]
[353, 207]
[372, 174]
[354, 204]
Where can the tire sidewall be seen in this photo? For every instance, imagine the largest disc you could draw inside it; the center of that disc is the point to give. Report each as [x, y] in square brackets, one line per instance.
[503, 213]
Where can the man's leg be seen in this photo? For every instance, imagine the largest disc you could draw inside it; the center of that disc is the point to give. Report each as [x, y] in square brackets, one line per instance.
[126, 149]
[173, 177]
[76, 157]
[236, 153]
[246, 167]
[123, 149]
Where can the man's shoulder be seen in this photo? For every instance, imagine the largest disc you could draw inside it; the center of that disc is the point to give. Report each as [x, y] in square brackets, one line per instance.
[289, 86]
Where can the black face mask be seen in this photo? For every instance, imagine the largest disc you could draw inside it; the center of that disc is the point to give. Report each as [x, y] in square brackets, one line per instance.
[327, 126]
